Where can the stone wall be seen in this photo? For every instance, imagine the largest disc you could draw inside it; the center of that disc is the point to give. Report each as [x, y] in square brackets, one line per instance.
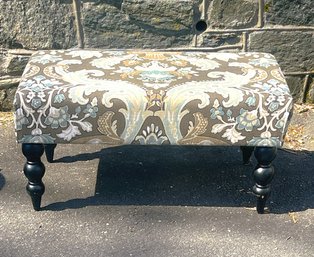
[284, 28]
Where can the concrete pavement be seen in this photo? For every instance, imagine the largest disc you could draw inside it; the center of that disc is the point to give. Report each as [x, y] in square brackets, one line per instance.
[152, 201]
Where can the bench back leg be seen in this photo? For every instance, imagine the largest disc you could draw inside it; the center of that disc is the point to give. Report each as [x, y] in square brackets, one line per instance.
[247, 153]
[50, 150]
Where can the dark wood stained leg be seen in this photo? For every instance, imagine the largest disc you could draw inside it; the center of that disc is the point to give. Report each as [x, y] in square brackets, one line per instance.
[50, 150]
[263, 175]
[247, 153]
[34, 170]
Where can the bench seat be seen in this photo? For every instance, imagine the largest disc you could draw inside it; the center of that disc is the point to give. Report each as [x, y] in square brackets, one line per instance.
[122, 97]
[151, 97]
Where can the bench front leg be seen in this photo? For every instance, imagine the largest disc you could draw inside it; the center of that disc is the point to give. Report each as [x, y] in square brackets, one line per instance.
[263, 174]
[34, 170]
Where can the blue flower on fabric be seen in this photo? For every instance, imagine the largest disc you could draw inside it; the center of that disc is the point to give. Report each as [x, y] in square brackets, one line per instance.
[274, 87]
[156, 76]
[247, 120]
[91, 110]
[277, 88]
[280, 123]
[39, 83]
[265, 140]
[59, 98]
[263, 62]
[276, 91]
[273, 106]
[216, 112]
[46, 58]
[36, 103]
[20, 119]
[266, 86]
[251, 101]
[58, 117]
[78, 110]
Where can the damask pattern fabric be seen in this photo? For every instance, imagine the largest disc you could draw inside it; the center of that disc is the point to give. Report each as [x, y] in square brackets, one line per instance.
[151, 97]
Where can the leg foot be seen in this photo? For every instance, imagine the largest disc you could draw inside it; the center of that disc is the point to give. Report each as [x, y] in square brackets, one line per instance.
[246, 153]
[50, 150]
[260, 206]
[36, 200]
[263, 175]
[34, 170]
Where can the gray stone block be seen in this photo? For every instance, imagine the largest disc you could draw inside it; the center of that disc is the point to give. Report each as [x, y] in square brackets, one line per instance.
[15, 64]
[295, 84]
[310, 96]
[175, 15]
[2, 62]
[141, 24]
[7, 98]
[233, 14]
[293, 49]
[289, 12]
[37, 24]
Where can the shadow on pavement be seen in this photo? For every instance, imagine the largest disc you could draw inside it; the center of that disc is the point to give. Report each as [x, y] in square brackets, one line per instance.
[192, 176]
[2, 181]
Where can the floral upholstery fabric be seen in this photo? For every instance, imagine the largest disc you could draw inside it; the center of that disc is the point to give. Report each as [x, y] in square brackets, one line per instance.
[151, 97]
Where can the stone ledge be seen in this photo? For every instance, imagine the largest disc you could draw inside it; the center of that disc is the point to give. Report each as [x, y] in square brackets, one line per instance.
[278, 28]
[21, 52]
[217, 40]
[6, 83]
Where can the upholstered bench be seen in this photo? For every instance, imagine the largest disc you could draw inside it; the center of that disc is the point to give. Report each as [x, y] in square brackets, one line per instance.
[152, 97]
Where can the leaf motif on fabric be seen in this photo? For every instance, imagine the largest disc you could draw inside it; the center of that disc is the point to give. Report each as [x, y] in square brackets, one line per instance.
[217, 128]
[232, 135]
[86, 126]
[31, 70]
[69, 133]
[195, 130]
[200, 126]
[108, 128]
[50, 72]
[277, 74]
[152, 136]
[260, 75]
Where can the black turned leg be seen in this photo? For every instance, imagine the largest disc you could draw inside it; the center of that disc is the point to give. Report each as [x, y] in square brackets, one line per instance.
[247, 153]
[34, 170]
[263, 174]
[50, 150]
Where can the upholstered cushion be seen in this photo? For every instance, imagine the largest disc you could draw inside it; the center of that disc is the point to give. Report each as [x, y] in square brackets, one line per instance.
[151, 97]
